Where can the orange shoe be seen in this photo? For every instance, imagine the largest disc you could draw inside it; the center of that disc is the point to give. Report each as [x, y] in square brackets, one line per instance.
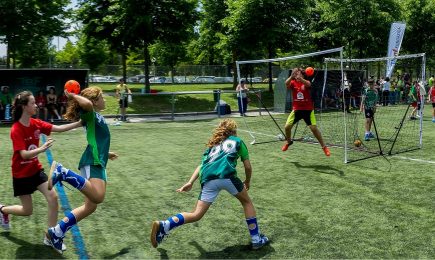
[285, 147]
[326, 151]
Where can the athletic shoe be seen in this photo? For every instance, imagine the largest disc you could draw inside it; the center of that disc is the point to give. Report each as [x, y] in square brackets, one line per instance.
[157, 233]
[371, 135]
[326, 151]
[55, 174]
[433, 120]
[367, 137]
[263, 241]
[55, 241]
[4, 220]
[285, 147]
[412, 118]
[47, 243]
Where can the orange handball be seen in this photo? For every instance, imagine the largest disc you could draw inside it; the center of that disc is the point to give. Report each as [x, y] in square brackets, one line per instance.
[309, 71]
[357, 143]
[72, 86]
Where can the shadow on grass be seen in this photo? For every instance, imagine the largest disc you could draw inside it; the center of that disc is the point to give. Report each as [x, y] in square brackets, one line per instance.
[32, 251]
[121, 252]
[321, 168]
[234, 252]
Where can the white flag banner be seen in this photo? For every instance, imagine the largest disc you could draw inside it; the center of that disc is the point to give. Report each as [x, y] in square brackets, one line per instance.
[397, 32]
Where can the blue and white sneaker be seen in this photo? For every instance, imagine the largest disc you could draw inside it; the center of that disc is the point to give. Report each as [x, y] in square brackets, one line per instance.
[48, 243]
[55, 174]
[433, 120]
[55, 241]
[371, 135]
[157, 233]
[367, 137]
[262, 242]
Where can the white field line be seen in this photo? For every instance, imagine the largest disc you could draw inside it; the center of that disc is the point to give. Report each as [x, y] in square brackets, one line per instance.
[413, 159]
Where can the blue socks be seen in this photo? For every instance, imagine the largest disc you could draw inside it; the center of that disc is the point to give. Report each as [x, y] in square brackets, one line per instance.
[173, 222]
[74, 179]
[253, 228]
[63, 226]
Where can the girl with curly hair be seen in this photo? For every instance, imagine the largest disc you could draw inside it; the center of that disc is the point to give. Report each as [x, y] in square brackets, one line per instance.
[91, 181]
[217, 172]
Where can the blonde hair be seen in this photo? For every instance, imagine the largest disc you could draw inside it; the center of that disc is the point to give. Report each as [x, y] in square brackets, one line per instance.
[73, 108]
[226, 128]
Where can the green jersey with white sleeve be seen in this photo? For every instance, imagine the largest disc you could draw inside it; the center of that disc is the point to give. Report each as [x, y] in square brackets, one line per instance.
[220, 161]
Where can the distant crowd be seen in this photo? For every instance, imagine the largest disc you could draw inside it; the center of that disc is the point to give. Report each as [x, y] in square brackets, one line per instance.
[51, 105]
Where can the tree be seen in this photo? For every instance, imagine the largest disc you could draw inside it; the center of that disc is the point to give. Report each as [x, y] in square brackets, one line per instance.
[257, 28]
[31, 21]
[420, 28]
[168, 22]
[92, 52]
[136, 24]
[362, 26]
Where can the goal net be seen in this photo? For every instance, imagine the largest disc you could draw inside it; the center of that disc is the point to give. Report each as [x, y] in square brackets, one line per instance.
[338, 86]
[267, 123]
[397, 121]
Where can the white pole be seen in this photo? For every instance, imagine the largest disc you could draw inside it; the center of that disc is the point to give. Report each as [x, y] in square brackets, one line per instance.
[344, 107]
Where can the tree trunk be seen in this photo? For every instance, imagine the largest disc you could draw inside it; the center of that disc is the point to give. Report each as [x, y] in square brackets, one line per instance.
[270, 53]
[146, 67]
[124, 65]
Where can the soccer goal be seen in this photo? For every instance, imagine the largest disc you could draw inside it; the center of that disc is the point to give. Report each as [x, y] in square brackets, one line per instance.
[337, 88]
[267, 125]
[397, 123]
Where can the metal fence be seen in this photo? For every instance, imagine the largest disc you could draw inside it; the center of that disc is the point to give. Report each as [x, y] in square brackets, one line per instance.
[170, 105]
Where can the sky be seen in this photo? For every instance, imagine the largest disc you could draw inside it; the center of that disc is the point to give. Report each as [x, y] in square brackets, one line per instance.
[59, 42]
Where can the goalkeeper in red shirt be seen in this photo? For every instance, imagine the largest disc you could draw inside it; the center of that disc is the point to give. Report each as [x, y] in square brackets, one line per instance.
[303, 108]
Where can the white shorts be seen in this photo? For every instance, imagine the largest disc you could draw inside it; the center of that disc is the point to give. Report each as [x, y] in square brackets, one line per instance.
[210, 190]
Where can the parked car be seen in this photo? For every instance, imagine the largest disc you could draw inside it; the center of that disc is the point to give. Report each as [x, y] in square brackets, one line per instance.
[204, 79]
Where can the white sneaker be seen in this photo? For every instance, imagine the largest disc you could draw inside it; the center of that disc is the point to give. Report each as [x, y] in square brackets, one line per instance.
[47, 243]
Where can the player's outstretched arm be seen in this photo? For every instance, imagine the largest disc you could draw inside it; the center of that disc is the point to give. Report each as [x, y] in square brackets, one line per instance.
[67, 127]
[188, 185]
[248, 173]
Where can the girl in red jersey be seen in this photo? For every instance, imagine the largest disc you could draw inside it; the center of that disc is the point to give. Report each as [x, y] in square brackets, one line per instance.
[27, 172]
[303, 108]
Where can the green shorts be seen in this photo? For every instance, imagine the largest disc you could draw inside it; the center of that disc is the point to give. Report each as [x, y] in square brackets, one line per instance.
[93, 171]
[306, 115]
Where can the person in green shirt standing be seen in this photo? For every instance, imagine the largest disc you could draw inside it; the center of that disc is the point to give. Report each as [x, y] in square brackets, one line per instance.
[217, 172]
[5, 103]
[368, 105]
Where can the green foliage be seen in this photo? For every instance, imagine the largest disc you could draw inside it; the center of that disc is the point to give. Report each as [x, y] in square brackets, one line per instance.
[93, 53]
[420, 27]
[362, 26]
[27, 25]
[69, 55]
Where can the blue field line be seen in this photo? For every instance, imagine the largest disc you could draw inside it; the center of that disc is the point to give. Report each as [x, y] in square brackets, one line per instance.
[75, 231]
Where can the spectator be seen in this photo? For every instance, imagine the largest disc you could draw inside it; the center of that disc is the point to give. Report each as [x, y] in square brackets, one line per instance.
[242, 97]
[41, 102]
[122, 92]
[5, 103]
[52, 103]
[62, 101]
[386, 91]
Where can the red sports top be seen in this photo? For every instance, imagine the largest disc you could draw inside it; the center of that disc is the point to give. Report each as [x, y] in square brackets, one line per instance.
[41, 101]
[27, 138]
[301, 96]
[432, 94]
